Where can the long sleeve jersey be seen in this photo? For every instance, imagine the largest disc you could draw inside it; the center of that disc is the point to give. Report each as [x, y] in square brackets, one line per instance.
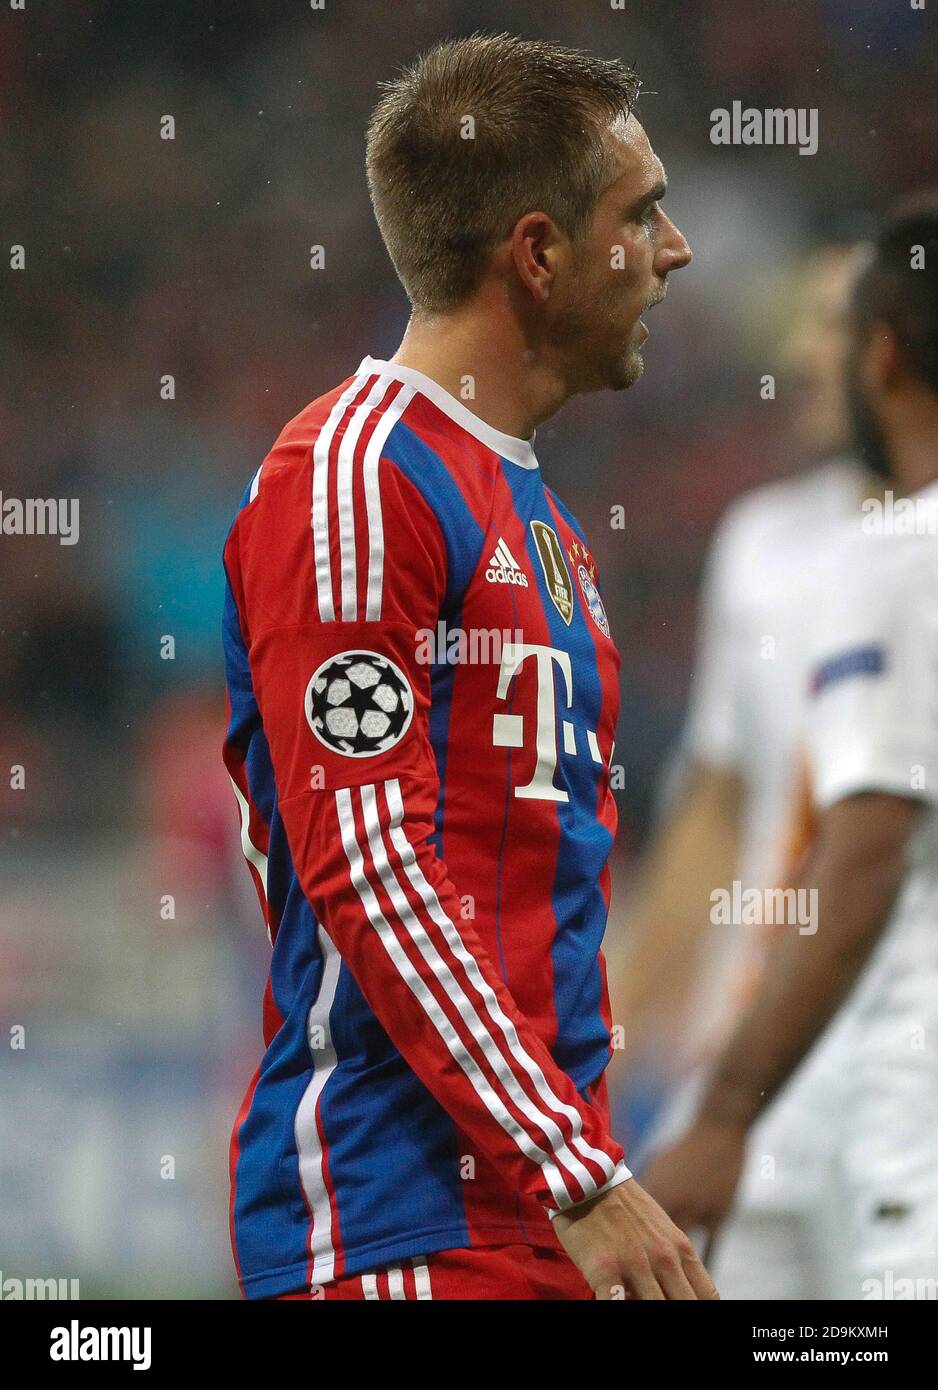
[423, 694]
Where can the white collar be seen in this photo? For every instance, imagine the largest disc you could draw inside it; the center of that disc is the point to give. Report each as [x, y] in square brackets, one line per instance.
[519, 451]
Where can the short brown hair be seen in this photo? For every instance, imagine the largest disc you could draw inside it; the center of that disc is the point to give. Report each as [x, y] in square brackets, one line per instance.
[443, 200]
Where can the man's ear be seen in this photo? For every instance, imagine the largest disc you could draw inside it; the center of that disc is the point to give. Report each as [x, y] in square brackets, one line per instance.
[536, 250]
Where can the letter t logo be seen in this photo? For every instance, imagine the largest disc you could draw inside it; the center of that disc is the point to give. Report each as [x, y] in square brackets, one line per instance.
[508, 729]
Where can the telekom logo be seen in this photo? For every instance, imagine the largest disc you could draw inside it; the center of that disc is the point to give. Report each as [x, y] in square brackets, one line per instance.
[508, 729]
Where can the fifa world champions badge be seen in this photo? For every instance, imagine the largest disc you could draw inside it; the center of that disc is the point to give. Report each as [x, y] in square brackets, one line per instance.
[556, 574]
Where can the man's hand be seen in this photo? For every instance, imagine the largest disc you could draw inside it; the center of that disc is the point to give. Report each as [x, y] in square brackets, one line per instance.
[695, 1180]
[625, 1246]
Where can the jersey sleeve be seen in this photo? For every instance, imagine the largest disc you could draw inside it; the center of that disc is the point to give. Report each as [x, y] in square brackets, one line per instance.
[872, 723]
[712, 724]
[333, 618]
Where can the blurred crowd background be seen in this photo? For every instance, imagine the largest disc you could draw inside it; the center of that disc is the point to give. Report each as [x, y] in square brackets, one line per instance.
[190, 257]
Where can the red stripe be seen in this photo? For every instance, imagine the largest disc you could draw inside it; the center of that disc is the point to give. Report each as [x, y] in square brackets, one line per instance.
[359, 505]
[272, 1017]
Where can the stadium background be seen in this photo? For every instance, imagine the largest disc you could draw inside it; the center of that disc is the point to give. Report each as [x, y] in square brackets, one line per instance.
[190, 257]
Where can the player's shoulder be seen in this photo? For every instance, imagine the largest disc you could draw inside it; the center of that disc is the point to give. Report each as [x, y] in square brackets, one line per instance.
[890, 541]
[358, 485]
[325, 460]
[292, 453]
[783, 509]
[564, 511]
[384, 420]
[880, 572]
[277, 486]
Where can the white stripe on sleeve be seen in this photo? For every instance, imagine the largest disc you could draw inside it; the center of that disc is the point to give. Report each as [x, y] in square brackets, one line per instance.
[320, 512]
[496, 1059]
[434, 1012]
[494, 1009]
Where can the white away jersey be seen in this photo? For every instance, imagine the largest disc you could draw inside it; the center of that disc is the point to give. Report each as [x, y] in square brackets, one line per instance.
[747, 694]
[762, 586]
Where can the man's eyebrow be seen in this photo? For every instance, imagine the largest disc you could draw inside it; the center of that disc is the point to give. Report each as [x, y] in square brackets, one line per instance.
[654, 195]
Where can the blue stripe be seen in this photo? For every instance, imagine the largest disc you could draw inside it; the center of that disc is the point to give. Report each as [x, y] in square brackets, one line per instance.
[271, 1218]
[861, 661]
[463, 539]
[462, 534]
[373, 1097]
[270, 1212]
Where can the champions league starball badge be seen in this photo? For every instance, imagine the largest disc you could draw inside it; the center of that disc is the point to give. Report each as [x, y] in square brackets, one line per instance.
[359, 704]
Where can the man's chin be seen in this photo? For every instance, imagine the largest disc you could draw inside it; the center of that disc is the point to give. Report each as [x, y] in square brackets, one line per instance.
[627, 370]
[613, 371]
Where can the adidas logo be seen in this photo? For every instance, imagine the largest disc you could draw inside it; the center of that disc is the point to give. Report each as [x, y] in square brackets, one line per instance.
[504, 568]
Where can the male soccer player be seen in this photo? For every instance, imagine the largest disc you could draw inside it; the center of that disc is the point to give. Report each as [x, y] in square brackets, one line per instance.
[871, 969]
[430, 837]
[742, 789]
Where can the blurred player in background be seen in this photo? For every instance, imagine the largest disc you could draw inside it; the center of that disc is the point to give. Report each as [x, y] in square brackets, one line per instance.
[685, 979]
[858, 999]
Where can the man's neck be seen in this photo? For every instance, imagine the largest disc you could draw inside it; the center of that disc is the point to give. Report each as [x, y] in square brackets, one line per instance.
[912, 442]
[492, 370]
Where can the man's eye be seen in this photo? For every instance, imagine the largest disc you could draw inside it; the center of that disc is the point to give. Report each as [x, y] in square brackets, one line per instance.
[650, 213]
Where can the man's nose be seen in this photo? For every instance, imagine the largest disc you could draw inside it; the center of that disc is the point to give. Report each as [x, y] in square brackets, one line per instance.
[674, 252]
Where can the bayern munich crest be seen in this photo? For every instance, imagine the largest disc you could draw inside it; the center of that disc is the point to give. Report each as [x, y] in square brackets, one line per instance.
[593, 601]
[359, 704]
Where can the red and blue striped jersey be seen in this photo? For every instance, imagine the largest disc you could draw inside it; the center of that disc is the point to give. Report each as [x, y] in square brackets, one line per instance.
[423, 694]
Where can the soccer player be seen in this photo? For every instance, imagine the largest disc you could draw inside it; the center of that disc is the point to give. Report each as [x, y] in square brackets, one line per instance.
[428, 825]
[741, 794]
[870, 971]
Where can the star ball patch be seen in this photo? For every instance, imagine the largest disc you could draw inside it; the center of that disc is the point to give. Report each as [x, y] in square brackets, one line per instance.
[359, 704]
[593, 601]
